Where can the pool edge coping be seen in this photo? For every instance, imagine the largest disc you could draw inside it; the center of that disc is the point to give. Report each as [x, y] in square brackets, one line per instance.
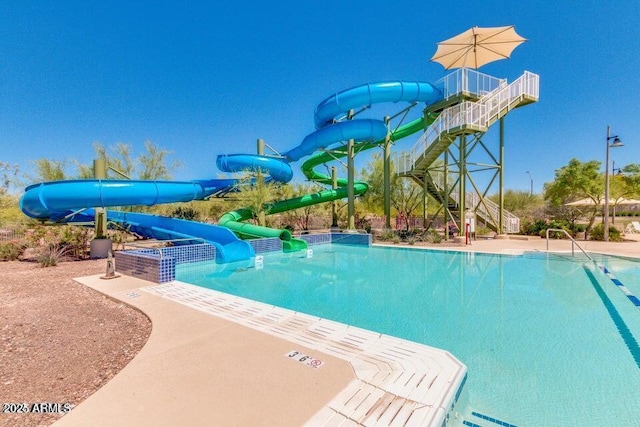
[388, 370]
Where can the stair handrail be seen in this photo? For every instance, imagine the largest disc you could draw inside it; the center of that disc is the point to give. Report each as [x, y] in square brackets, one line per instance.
[480, 113]
[469, 81]
[573, 242]
[489, 211]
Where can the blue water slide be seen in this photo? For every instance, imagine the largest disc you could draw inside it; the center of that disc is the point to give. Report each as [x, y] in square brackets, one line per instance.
[372, 93]
[49, 199]
[62, 199]
[228, 247]
[361, 130]
[329, 132]
[274, 166]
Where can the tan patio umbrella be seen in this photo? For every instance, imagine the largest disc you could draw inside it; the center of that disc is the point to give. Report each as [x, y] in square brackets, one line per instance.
[477, 46]
[585, 202]
[613, 202]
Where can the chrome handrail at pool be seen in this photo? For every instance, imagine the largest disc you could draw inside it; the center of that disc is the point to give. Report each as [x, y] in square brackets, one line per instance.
[573, 242]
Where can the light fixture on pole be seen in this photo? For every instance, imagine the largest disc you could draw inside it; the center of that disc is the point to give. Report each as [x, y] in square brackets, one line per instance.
[531, 180]
[616, 143]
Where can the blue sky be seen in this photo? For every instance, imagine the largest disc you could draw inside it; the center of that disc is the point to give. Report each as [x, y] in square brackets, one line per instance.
[209, 78]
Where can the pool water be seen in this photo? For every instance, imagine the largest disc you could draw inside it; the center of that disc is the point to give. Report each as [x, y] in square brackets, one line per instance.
[547, 339]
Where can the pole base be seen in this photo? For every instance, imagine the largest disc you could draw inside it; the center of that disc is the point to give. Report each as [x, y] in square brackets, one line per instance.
[100, 248]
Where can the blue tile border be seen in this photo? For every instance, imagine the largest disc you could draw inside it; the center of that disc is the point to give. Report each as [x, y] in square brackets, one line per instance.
[268, 244]
[625, 333]
[491, 419]
[158, 265]
[316, 239]
[634, 299]
[351, 239]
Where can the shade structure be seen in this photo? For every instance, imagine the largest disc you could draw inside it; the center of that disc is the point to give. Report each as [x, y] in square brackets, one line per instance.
[613, 202]
[477, 46]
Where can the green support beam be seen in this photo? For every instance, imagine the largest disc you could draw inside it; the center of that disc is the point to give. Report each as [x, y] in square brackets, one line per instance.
[100, 172]
[387, 176]
[350, 185]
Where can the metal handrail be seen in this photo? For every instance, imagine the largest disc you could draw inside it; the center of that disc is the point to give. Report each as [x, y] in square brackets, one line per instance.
[467, 80]
[482, 113]
[484, 207]
[573, 242]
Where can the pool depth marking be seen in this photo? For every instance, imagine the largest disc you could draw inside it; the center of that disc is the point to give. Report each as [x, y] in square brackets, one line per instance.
[304, 359]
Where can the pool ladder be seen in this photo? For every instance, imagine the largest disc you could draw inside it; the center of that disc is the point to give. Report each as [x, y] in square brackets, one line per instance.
[573, 242]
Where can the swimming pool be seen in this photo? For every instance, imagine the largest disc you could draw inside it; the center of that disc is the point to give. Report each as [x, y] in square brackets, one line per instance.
[547, 340]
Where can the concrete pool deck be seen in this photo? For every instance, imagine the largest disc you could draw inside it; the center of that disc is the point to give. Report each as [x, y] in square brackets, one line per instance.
[216, 361]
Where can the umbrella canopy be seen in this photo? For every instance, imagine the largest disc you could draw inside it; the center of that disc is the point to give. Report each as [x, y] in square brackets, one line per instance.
[613, 202]
[477, 46]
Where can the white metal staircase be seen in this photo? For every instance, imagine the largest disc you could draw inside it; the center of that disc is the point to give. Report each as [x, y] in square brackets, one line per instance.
[470, 117]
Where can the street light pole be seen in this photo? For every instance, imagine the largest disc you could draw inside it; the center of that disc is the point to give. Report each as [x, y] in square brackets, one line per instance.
[616, 143]
[530, 179]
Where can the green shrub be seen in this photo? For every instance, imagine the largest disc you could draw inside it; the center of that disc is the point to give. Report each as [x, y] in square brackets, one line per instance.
[597, 233]
[433, 236]
[396, 239]
[185, 213]
[533, 228]
[363, 224]
[11, 250]
[483, 231]
[387, 234]
[50, 255]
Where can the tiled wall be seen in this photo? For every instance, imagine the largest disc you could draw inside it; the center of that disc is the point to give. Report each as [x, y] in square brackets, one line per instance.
[159, 265]
[190, 253]
[144, 265]
[316, 239]
[271, 244]
[351, 239]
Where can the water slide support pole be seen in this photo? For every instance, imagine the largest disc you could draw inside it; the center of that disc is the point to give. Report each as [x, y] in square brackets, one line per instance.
[501, 169]
[425, 192]
[446, 195]
[260, 146]
[463, 178]
[260, 179]
[351, 197]
[100, 172]
[387, 176]
[350, 183]
[334, 204]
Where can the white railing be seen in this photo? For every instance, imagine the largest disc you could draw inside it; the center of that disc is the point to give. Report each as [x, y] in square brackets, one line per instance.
[458, 115]
[489, 211]
[497, 99]
[403, 162]
[480, 114]
[468, 81]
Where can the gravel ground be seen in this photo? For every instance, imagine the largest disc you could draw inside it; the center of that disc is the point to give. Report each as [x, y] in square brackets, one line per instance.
[59, 340]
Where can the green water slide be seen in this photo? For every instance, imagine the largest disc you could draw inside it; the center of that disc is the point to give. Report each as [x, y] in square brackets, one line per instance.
[367, 133]
[337, 153]
[234, 220]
